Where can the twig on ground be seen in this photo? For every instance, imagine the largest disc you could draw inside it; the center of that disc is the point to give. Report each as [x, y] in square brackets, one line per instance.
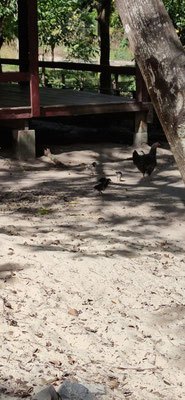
[47, 152]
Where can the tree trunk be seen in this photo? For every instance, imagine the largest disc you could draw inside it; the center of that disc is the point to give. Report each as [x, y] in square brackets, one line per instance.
[161, 59]
[104, 20]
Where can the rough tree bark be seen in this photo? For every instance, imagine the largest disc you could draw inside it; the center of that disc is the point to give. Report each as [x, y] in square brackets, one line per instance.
[161, 59]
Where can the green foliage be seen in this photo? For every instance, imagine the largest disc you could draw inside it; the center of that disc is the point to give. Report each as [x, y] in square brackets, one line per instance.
[66, 22]
[176, 11]
[76, 80]
[121, 52]
[8, 20]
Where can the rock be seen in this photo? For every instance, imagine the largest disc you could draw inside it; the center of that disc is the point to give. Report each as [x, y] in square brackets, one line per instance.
[74, 391]
[48, 393]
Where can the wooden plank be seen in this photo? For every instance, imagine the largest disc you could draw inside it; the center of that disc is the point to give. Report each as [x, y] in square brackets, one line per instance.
[57, 102]
[9, 61]
[14, 76]
[33, 58]
[15, 112]
[113, 69]
[49, 111]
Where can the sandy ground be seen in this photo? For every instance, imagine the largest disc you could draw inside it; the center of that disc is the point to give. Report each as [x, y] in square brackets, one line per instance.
[92, 287]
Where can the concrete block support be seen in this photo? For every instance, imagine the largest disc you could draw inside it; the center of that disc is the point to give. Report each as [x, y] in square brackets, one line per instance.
[24, 143]
[141, 129]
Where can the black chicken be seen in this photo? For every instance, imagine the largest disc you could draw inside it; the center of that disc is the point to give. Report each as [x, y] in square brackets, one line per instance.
[102, 185]
[145, 163]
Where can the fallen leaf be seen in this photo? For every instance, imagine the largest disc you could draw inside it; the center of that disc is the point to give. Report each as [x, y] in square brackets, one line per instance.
[70, 359]
[49, 381]
[167, 383]
[7, 304]
[13, 322]
[91, 330]
[40, 335]
[55, 362]
[57, 241]
[73, 311]
[35, 351]
[44, 211]
[114, 383]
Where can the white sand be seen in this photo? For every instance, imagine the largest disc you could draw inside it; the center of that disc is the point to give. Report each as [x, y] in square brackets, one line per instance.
[118, 259]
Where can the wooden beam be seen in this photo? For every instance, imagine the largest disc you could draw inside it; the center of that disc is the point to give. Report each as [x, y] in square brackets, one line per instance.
[59, 110]
[9, 61]
[114, 69]
[15, 113]
[14, 76]
[33, 58]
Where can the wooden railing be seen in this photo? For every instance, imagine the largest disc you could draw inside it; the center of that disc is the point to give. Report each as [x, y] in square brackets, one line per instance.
[113, 69]
[141, 94]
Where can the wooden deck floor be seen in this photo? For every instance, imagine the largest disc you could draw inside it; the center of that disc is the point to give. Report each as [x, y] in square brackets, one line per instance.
[15, 102]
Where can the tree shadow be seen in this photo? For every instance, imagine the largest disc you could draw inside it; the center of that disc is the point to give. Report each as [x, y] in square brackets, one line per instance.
[56, 190]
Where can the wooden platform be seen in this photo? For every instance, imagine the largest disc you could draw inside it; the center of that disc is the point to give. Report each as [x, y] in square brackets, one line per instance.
[15, 102]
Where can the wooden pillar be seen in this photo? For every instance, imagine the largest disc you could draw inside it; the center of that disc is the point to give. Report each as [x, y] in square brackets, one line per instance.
[141, 128]
[141, 90]
[104, 8]
[23, 36]
[24, 143]
[141, 131]
[33, 57]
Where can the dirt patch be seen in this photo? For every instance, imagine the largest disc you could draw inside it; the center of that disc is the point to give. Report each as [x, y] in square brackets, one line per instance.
[92, 287]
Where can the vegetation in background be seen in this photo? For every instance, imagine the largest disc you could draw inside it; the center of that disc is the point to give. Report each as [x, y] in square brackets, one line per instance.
[176, 11]
[73, 26]
[68, 24]
[8, 21]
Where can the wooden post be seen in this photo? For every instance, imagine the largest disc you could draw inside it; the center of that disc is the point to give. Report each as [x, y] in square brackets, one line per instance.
[141, 90]
[161, 59]
[23, 36]
[115, 85]
[24, 143]
[33, 57]
[141, 127]
[104, 20]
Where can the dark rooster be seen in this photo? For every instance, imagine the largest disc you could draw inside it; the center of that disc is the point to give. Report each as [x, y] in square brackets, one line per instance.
[145, 163]
[102, 185]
